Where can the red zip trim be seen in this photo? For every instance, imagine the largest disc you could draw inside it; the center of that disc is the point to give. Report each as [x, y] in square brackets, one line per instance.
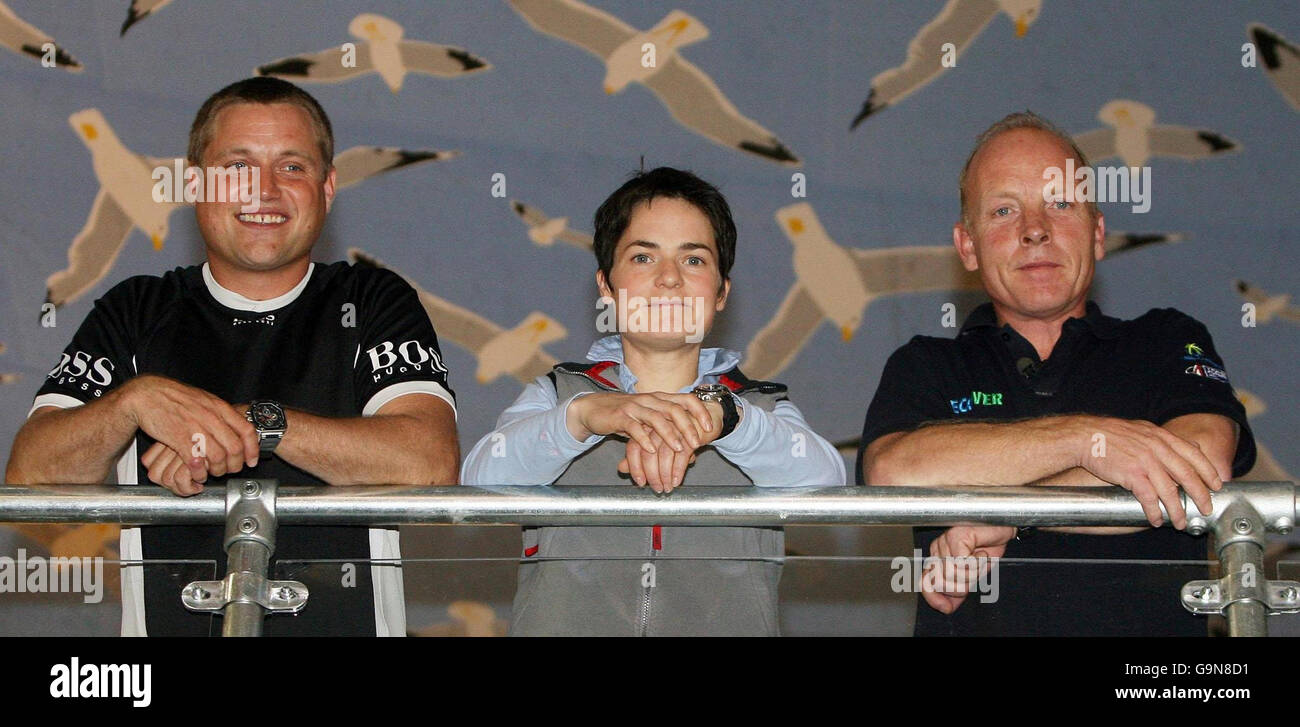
[657, 537]
[530, 551]
[594, 373]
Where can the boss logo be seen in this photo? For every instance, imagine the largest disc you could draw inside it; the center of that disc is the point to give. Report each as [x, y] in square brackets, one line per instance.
[387, 359]
[84, 368]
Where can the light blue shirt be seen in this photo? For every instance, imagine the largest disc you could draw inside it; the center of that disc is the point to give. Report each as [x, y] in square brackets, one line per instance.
[532, 444]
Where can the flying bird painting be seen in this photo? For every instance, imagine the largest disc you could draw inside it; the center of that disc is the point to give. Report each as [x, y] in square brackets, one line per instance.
[546, 231]
[21, 37]
[1135, 138]
[382, 51]
[8, 378]
[139, 10]
[517, 352]
[125, 200]
[1267, 305]
[959, 23]
[837, 284]
[468, 618]
[692, 97]
[1281, 62]
[1267, 468]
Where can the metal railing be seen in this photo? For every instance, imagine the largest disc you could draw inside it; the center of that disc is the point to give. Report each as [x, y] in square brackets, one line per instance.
[1243, 514]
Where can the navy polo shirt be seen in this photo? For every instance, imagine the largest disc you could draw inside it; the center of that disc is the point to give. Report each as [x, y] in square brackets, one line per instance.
[1157, 367]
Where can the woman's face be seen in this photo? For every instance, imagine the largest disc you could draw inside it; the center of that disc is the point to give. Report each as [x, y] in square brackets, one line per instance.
[665, 280]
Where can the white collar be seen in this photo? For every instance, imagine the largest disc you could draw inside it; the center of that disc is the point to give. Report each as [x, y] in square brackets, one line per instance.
[713, 361]
[231, 299]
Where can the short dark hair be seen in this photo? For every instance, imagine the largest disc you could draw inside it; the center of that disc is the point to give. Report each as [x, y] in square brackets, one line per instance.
[615, 213]
[1019, 120]
[263, 90]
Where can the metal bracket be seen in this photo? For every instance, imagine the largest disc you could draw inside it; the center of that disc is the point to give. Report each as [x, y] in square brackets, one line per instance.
[249, 544]
[1243, 593]
[245, 587]
[1206, 597]
[1271, 503]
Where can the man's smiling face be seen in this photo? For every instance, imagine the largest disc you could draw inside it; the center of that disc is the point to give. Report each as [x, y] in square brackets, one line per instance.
[296, 189]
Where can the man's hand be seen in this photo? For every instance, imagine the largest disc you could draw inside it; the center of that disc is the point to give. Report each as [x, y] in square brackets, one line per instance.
[170, 470]
[182, 417]
[963, 554]
[1151, 462]
[681, 420]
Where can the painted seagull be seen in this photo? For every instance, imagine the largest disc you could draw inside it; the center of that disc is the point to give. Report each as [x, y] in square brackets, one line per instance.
[125, 199]
[545, 231]
[837, 284]
[1134, 137]
[691, 96]
[8, 378]
[382, 51]
[517, 351]
[959, 23]
[21, 37]
[1281, 62]
[139, 10]
[1267, 305]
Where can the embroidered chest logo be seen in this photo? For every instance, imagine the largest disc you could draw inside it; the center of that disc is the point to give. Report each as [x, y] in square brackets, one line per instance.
[976, 398]
[268, 319]
[1201, 365]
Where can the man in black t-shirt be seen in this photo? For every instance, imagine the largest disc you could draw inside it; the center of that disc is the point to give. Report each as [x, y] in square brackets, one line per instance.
[1039, 387]
[340, 365]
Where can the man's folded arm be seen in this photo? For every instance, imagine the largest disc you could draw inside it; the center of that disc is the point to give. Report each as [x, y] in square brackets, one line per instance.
[74, 445]
[411, 440]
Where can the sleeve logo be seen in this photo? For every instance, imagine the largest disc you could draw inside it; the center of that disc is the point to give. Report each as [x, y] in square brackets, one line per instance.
[82, 371]
[388, 360]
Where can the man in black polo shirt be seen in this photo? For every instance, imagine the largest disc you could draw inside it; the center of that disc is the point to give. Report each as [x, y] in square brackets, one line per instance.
[259, 362]
[1040, 387]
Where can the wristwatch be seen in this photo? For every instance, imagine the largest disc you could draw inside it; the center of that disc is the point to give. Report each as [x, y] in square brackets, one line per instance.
[725, 399]
[269, 420]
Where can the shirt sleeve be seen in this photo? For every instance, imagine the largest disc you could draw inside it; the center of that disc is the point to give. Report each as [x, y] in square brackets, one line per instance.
[531, 444]
[779, 449]
[398, 352]
[100, 357]
[907, 396]
[1188, 377]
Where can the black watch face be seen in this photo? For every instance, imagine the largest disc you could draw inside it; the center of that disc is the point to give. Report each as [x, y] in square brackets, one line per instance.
[268, 416]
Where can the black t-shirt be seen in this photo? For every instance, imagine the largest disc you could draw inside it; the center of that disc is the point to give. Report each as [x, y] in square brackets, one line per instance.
[343, 343]
[1157, 367]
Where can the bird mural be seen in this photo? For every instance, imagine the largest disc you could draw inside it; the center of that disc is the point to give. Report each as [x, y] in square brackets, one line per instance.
[691, 96]
[1267, 468]
[23, 38]
[959, 24]
[8, 378]
[468, 618]
[1267, 305]
[516, 352]
[382, 51]
[837, 284]
[546, 231]
[125, 200]
[139, 10]
[1134, 137]
[1281, 61]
